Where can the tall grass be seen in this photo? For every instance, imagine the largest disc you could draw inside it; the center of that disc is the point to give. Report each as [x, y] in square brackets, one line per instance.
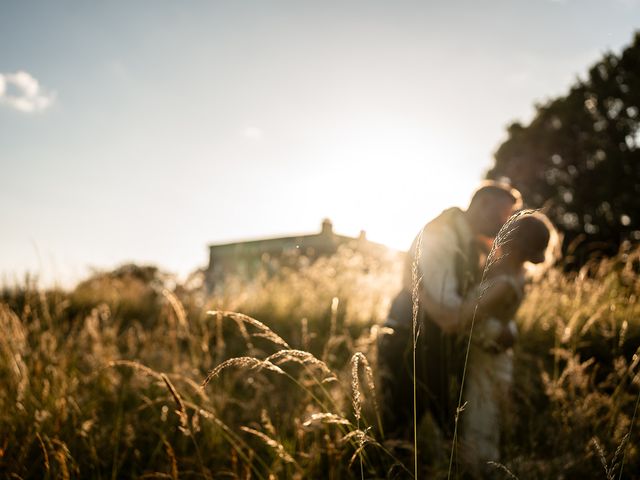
[130, 375]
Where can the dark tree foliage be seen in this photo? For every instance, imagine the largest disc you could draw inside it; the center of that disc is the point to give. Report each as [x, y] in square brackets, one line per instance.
[579, 159]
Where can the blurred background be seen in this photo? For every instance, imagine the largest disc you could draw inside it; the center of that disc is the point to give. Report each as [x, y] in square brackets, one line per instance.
[144, 131]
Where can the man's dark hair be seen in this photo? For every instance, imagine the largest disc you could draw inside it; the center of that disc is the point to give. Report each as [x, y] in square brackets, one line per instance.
[492, 188]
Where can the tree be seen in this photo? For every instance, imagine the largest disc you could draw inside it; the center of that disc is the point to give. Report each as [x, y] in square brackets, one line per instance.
[579, 158]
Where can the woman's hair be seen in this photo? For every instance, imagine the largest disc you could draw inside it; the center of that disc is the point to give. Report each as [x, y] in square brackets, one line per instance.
[533, 237]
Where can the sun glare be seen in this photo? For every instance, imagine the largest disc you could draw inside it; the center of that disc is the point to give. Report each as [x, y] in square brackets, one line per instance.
[390, 180]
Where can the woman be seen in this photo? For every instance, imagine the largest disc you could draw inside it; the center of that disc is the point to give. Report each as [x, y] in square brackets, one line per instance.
[526, 239]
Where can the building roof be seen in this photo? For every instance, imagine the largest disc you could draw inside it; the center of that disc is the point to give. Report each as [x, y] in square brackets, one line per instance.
[324, 238]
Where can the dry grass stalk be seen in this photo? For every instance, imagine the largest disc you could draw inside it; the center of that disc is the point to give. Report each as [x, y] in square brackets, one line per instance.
[335, 302]
[243, 331]
[603, 458]
[220, 345]
[242, 362]
[174, 393]
[13, 342]
[184, 421]
[326, 418]
[501, 239]
[333, 328]
[275, 445]
[358, 434]
[416, 279]
[136, 366]
[266, 422]
[45, 455]
[62, 454]
[362, 439]
[355, 384]
[301, 357]
[610, 467]
[154, 475]
[236, 442]
[504, 468]
[177, 307]
[172, 457]
[305, 333]
[242, 319]
[195, 386]
[181, 411]
[357, 359]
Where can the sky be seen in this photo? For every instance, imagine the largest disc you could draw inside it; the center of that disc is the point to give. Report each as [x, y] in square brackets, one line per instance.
[145, 130]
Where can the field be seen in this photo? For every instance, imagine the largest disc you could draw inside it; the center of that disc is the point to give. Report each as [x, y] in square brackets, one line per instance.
[106, 381]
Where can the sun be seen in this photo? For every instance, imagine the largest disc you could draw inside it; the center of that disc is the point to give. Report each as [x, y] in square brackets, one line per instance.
[390, 181]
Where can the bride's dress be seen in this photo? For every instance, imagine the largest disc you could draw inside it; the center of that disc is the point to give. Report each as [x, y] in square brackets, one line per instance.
[488, 380]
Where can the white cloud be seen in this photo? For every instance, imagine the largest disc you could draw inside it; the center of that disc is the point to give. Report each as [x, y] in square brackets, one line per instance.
[253, 133]
[21, 91]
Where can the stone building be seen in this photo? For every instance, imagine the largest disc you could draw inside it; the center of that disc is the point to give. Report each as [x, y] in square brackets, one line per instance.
[246, 258]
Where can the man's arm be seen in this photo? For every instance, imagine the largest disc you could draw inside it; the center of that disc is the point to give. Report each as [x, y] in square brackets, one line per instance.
[450, 318]
[453, 316]
[439, 286]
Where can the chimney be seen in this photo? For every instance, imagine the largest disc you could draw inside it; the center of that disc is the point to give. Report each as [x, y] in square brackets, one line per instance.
[327, 227]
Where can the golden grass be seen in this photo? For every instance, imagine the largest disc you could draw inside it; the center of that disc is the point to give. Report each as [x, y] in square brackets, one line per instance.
[92, 389]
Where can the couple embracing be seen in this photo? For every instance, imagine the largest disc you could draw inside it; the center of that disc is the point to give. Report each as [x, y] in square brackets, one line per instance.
[446, 270]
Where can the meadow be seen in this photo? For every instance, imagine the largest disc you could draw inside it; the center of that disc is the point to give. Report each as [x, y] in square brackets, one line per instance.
[132, 375]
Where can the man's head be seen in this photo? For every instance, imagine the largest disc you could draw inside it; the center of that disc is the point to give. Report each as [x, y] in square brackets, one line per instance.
[491, 206]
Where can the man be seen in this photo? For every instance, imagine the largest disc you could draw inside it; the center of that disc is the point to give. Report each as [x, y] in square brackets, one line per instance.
[447, 254]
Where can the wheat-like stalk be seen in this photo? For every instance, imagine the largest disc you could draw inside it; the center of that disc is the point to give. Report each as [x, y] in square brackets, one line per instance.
[328, 418]
[13, 342]
[266, 422]
[61, 454]
[177, 307]
[242, 319]
[502, 238]
[281, 452]
[136, 366]
[155, 476]
[181, 411]
[603, 458]
[504, 468]
[184, 421]
[232, 437]
[333, 326]
[45, 455]
[304, 325]
[301, 357]
[241, 362]
[357, 434]
[362, 439]
[172, 457]
[370, 380]
[416, 279]
[220, 345]
[355, 386]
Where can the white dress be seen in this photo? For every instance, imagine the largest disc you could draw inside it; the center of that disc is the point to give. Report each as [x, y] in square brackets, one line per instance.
[488, 380]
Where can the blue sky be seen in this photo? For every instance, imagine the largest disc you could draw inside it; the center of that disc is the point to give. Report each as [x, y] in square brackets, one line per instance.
[158, 127]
